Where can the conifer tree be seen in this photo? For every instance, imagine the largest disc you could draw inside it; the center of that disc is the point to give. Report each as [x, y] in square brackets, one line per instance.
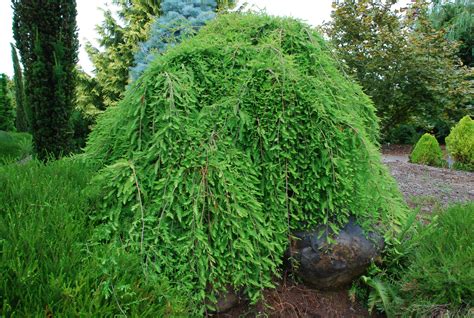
[179, 19]
[22, 116]
[6, 109]
[46, 37]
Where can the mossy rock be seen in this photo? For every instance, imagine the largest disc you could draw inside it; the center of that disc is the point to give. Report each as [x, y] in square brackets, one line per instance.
[460, 143]
[427, 152]
[230, 142]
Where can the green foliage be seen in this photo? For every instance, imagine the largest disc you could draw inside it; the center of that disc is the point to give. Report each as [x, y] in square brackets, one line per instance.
[46, 37]
[47, 266]
[404, 134]
[227, 143]
[457, 18]
[23, 114]
[440, 255]
[7, 115]
[119, 39]
[460, 143]
[428, 271]
[14, 146]
[427, 151]
[408, 68]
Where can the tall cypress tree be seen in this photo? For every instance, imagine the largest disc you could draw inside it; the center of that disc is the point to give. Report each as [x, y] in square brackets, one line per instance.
[6, 109]
[22, 122]
[46, 37]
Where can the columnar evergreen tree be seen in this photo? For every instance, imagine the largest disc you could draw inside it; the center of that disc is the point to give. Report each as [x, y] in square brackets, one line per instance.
[6, 109]
[22, 122]
[46, 37]
[179, 19]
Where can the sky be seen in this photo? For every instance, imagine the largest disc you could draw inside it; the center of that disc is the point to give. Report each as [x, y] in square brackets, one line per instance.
[314, 12]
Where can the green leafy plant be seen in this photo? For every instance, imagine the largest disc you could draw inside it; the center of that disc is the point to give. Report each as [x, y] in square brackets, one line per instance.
[47, 264]
[460, 143]
[14, 146]
[427, 270]
[427, 151]
[441, 260]
[226, 144]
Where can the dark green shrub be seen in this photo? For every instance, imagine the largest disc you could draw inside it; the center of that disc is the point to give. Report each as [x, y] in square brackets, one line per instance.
[460, 143]
[427, 151]
[227, 143]
[403, 134]
[14, 146]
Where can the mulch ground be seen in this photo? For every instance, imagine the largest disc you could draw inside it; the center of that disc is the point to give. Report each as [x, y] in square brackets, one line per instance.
[291, 299]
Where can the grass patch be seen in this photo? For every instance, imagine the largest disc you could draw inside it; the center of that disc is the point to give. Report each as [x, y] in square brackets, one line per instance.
[46, 264]
[440, 275]
[430, 273]
[14, 146]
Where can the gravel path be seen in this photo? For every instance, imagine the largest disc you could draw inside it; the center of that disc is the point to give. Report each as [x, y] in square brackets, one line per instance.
[429, 187]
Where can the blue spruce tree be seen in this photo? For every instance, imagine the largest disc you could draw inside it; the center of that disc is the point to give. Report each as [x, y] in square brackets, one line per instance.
[181, 18]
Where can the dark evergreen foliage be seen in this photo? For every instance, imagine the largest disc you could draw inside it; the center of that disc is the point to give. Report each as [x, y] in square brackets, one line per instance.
[22, 114]
[46, 37]
[7, 115]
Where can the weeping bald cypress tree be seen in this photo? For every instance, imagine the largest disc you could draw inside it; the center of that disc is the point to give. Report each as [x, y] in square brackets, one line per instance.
[227, 143]
[46, 37]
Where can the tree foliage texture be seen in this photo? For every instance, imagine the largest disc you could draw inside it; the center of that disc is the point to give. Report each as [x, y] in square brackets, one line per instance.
[408, 68]
[119, 38]
[457, 18]
[460, 142]
[179, 19]
[227, 143]
[46, 37]
[7, 115]
[22, 122]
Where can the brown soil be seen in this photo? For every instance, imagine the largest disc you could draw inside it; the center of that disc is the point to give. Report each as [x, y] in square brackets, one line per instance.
[428, 188]
[291, 299]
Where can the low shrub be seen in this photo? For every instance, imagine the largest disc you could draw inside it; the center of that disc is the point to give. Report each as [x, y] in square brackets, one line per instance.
[14, 146]
[430, 272]
[427, 151]
[47, 266]
[460, 143]
[440, 274]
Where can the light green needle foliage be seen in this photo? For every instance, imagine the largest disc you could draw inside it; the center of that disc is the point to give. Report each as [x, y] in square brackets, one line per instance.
[230, 141]
[427, 151]
[460, 143]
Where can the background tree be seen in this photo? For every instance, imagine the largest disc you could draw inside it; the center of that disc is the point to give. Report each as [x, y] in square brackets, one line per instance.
[22, 122]
[7, 116]
[179, 19]
[46, 37]
[408, 68]
[457, 18]
[119, 37]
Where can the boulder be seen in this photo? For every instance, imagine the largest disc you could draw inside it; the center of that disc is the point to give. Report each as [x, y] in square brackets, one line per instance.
[330, 266]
